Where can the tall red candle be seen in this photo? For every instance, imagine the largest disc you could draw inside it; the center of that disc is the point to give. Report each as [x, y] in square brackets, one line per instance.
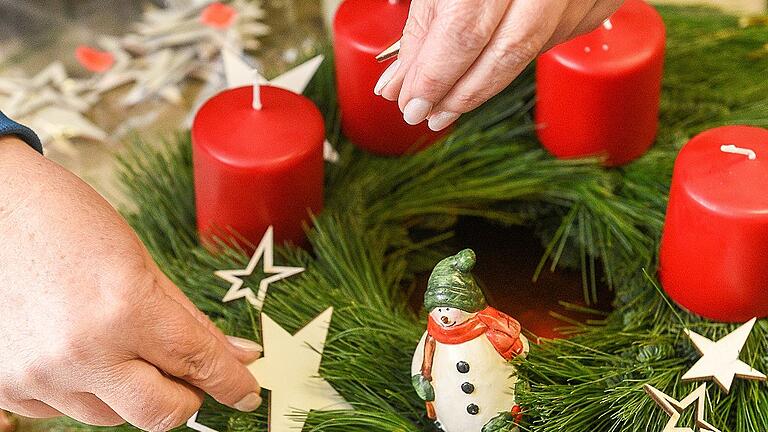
[713, 250]
[257, 167]
[361, 30]
[598, 94]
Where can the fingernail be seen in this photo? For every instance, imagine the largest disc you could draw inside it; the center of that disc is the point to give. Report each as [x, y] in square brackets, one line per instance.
[245, 344]
[442, 120]
[386, 77]
[249, 403]
[416, 111]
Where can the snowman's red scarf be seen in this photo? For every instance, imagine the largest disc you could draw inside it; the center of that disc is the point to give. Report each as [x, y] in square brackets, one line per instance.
[501, 330]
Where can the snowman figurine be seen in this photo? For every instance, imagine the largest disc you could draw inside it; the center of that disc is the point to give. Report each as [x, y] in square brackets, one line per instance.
[461, 366]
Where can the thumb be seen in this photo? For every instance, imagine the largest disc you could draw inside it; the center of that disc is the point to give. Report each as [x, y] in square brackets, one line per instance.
[246, 351]
[178, 344]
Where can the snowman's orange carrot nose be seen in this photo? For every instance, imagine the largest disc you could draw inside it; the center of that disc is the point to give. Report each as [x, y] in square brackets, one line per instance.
[444, 319]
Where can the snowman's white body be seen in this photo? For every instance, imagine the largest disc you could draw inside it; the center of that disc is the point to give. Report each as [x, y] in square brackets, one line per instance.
[492, 377]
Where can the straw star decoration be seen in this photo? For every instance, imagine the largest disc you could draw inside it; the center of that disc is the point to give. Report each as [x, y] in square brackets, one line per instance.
[265, 250]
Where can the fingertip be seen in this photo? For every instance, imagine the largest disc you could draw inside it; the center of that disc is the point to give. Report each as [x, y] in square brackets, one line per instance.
[416, 111]
[247, 350]
[386, 77]
[249, 403]
[442, 120]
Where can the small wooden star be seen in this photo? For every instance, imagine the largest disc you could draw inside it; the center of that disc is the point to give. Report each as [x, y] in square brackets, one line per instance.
[720, 360]
[194, 425]
[675, 408]
[264, 250]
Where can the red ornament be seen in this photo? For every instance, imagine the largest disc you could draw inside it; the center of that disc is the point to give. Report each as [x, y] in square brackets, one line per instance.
[713, 250]
[93, 59]
[218, 15]
[362, 29]
[256, 168]
[598, 94]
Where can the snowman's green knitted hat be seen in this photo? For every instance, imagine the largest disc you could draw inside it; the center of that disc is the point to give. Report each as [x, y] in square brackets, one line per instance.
[452, 285]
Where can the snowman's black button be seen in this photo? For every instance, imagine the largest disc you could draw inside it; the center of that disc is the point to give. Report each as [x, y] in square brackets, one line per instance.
[473, 409]
[467, 388]
[462, 367]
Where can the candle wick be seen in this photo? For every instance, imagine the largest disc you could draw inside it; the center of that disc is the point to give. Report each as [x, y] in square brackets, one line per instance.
[257, 90]
[731, 148]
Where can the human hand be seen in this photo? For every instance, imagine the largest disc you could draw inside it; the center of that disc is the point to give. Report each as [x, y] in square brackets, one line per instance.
[457, 54]
[91, 328]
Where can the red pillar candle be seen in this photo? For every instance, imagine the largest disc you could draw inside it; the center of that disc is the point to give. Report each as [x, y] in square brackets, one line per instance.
[361, 30]
[598, 94]
[714, 260]
[257, 167]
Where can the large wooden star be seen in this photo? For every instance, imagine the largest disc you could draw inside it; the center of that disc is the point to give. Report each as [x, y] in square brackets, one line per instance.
[290, 370]
[720, 360]
[675, 408]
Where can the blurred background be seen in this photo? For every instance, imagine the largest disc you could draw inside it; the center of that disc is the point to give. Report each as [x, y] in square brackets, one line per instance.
[36, 34]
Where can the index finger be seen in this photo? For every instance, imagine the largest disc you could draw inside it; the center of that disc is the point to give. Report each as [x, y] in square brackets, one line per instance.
[457, 36]
[178, 344]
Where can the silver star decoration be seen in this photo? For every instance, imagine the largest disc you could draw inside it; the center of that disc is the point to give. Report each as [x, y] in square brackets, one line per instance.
[290, 370]
[675, 408]
[265, 250]
[720, 360]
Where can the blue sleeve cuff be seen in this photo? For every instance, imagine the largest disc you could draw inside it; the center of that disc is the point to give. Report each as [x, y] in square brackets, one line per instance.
[10, 127]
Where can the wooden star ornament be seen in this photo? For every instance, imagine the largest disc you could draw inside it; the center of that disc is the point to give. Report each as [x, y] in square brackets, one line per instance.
[265, 250]
[720, 360]
[290, 371]
[194, 425]
[675, 408]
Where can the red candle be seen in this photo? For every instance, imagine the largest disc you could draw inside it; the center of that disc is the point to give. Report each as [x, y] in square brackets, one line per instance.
[713, 250]
[257, 167]
[598, 94]
[362, 29]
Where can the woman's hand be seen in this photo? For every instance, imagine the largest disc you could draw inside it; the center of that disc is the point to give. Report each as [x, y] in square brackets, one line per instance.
[90, 327]
[457, 54]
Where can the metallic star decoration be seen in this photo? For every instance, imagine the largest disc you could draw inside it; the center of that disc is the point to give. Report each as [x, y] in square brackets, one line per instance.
[265, 250]
[675, 408]
[290, 370]
[720, 360]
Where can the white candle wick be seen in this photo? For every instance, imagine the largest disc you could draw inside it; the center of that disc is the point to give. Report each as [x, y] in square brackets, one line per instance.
[608, 24]
[730, 148]
[256, 90]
